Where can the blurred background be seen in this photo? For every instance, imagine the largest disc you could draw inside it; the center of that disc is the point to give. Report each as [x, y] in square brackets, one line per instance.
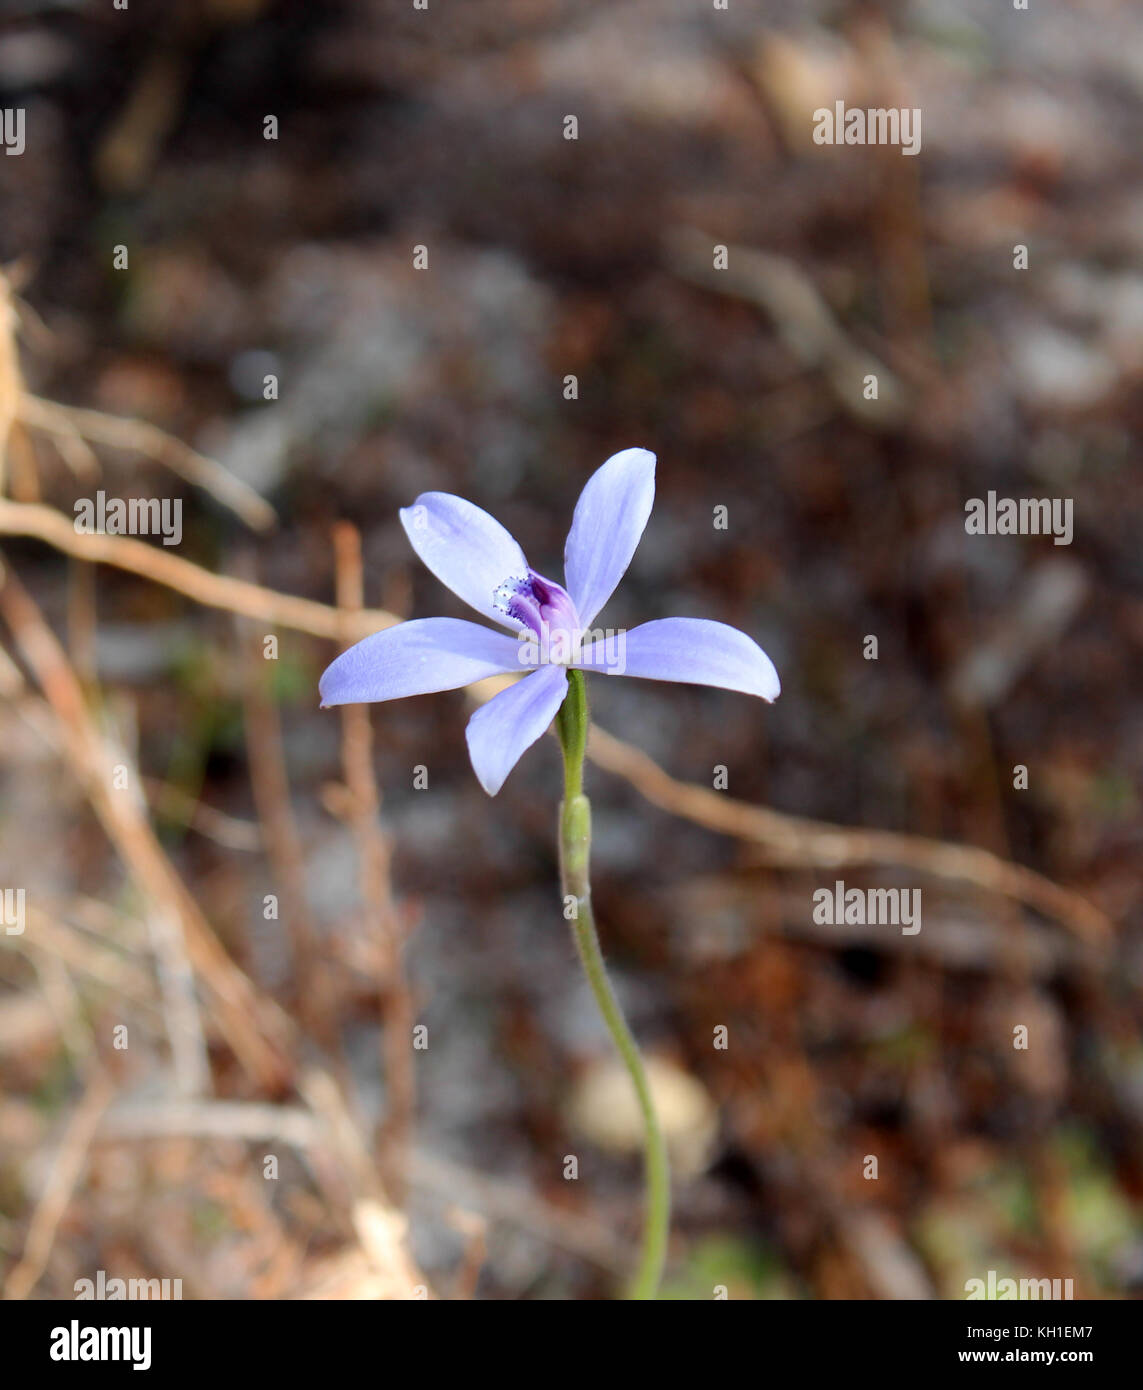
[263, 896]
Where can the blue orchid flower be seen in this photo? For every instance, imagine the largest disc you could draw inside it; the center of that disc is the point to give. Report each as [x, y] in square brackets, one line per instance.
[551, 625]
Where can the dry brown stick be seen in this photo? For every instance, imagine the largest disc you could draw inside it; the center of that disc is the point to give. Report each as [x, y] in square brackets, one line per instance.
[71, 446]
[180, 1011]
[271, 786]
[183, 1022]
[324, 1128]
[212, 590]
[59, 993]
[82, 623]
[246, 1121]
[127, 153]
[166, 799]
[363, 812]
[231, 832]
[473, 1231]
[792, 842]
[256, 1029]
[805, 322]
[53, 933]
[132, 140]
[22, 471]
[503, 1201]
[381, 1228]
[325, 1122]
[62, 1178]
[74, 429]
[11, 381]
[69, 422]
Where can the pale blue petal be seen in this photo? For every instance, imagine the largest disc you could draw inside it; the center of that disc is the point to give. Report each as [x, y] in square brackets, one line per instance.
[417, 658]
[501, 731]
[693, 651]
[609, 519]
[465, 548]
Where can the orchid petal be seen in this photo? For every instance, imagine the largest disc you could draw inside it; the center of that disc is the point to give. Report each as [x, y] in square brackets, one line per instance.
[693, 651]
[465, 548]
[501, 731]
[609, 519]
[417, 658]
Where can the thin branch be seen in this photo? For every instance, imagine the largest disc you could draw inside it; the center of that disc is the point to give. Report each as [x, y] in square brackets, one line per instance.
[65, 1172]
[211, 590]
[11, 380]
[363, 806]
[231, 832]
[69, 423]
[180, 1005]
[257, 1030]
[324, 1123]
[805, 322]
[270, 782]
[793, 842]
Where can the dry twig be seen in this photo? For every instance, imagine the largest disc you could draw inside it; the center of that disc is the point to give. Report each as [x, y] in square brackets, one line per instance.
[363, 807]
[211, 590]
[62, 1179]
[803, 319]
[74, 428]
[256, 1029]
[271, 785]
[793, 842]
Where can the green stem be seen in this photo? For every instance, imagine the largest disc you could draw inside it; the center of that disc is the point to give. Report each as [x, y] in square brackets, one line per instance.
[575, 853]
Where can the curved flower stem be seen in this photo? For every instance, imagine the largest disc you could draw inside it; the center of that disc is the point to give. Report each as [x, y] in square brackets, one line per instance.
[575, 851]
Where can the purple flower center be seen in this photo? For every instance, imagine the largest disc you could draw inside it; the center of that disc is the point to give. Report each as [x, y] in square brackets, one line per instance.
[544, 609]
